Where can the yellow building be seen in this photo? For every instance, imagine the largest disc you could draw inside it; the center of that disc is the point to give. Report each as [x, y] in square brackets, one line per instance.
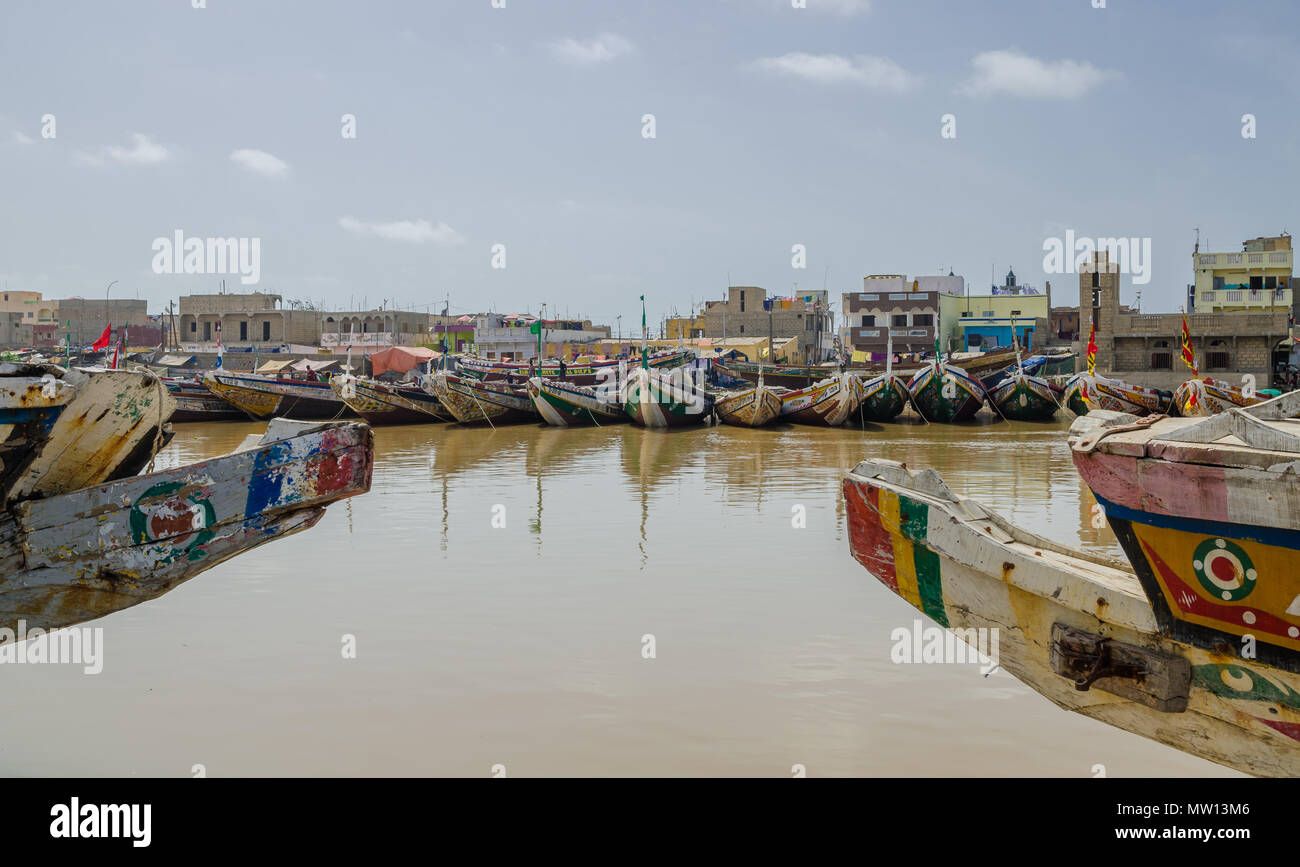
[973, 322]
[1257, 278]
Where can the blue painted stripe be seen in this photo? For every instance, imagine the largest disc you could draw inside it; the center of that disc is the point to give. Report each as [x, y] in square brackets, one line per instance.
[1277, 536]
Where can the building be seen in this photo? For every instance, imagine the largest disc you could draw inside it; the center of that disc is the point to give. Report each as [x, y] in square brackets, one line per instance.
[84, 319]
[510, 336]
[891, 307]
[27, 320]
[1063, 322]
[748, 311]
[261, 319]
[1256, 278]
[972, 323]
[1143, 348]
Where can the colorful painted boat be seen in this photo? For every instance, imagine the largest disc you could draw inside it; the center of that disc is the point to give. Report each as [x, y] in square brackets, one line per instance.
[194, 402]
[577, 373]
[473, 401]
[80, 555]
[564, 404]
[945, 393]
[1213, 396]
[382, 403]
[1074, 626]
[883, 398]
[61, 430]
[1088, 391]
[262, 397]
[753, 407]
[659, 399]
[1021, 397]
[828, 403]
[801, 376]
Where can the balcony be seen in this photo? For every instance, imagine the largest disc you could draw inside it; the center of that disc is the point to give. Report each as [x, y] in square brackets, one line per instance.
[1272, 259]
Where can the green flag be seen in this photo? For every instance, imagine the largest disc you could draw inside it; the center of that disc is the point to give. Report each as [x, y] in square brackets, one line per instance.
[536, 327]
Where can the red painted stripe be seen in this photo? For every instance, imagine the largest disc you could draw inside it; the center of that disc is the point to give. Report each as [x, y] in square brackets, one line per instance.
[870, 543]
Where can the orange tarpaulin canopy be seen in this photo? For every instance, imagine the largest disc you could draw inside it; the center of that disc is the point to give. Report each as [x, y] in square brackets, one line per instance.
[400, 359]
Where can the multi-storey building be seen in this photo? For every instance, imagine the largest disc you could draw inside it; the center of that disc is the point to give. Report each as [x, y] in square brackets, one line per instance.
[890, 307]
[1259, 277]
[750, 311]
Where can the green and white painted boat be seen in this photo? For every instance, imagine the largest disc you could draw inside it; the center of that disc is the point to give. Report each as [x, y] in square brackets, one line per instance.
[1021, 397]
[564, 404]
[883, 398]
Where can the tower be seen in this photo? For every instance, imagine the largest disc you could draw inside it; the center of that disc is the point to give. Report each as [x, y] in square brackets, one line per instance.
[1098, 302]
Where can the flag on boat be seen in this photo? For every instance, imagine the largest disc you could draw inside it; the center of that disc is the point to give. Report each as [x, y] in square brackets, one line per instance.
[102, 342]
[1092, 350]
[1189, 358]
[221, 350]
[119, 348]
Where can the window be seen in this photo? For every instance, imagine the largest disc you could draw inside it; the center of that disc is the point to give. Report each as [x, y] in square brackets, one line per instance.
[1096, 279]
[1162, 361]
[243, 331]
[987, 314]
[207, 331]
[1216, 356]
[266, 330]
[974, 340]
[1015, 312]
[742, 303]
[742, 329]
[926, 319]
[899, 320]
[965, 313]
[868, 321]
[194, 327]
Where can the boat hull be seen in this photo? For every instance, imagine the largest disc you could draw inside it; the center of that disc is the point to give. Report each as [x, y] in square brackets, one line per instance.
[967, 569]
[883, 398]
[383, 404]
[472, 402]
[1087, 392]
[81, 555]
[194, 403]
[1213, 396]
[566, 404]
[588, 373]
[945, 394]
[755, 407]
[653, 399]
[1024, 398]
[262, 397]
[828, 403]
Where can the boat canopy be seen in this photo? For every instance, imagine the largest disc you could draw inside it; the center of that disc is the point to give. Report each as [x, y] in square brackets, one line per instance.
[176, 360]
[400, 359]
[273, 366]
[314, 364]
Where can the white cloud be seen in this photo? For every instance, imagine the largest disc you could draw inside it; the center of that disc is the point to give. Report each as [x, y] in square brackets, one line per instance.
[142, 152]
[601, 49]
[409, 231]
[260, 162]
[1015, 74]
[877, 73]
[20, 138]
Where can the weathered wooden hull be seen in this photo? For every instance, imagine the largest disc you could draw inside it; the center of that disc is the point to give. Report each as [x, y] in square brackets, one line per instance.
[1087, 392]
[883, 398]
[1213, 396]
[566, 404]
[471, 401]
[657, 400]
[755, 407]
[81, 555]
[383, 404]
[946, 394]
[1024, 398]
[828, 403]
[968, 569]
[262, 397]
[67, 429]
[194, 403]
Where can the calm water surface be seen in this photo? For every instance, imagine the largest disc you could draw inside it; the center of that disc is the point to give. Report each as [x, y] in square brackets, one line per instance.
[521, 644]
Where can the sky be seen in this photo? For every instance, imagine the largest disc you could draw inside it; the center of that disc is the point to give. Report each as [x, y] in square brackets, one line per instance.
[884, 136]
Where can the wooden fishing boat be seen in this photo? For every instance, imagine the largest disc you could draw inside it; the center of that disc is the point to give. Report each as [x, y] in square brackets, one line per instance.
[800, 376]
[194, 402]
[1194, 642]
[752, 407]
[1089, 391]
[61, 430]
[1021, 397]
[382, 403]
[262, 397]
[473, 401]
[1213, 396]
[577, 373]
[828, 403]
[945, 393]
[563, 403]
[883, 398]
[80, 555]
[658, 399]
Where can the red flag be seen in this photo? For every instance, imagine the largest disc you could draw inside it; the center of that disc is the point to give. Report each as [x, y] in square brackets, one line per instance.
[1092, 349]
[102, 342]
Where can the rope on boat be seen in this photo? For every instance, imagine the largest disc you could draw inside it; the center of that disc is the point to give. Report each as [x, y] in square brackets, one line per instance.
[480, 406]
[157, 434]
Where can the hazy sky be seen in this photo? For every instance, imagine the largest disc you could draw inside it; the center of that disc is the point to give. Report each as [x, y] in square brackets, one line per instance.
[522, 126]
